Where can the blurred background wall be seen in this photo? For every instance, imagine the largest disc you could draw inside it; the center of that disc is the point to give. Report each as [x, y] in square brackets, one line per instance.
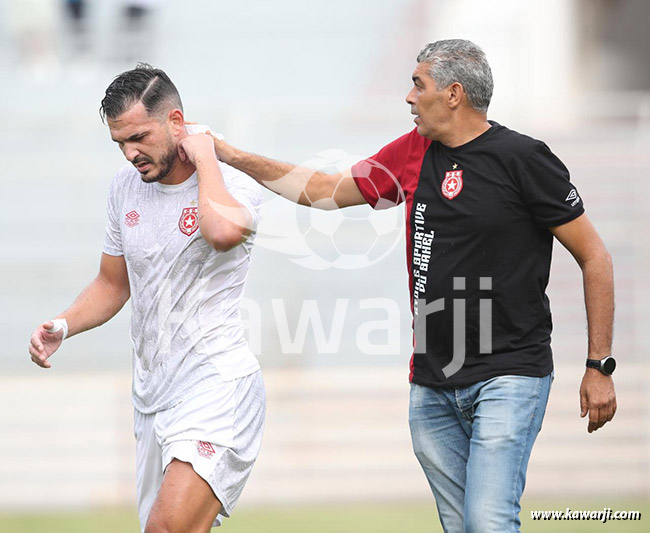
[323, 83]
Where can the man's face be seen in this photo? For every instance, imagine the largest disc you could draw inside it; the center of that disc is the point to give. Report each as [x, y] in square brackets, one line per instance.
[428, 104]
[146, 141]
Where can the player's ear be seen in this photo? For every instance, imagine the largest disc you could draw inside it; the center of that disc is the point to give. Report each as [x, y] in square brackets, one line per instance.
[176, 121]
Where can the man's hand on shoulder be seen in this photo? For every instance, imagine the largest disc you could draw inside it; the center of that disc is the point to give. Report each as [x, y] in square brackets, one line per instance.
[224, 151]
[597, 398]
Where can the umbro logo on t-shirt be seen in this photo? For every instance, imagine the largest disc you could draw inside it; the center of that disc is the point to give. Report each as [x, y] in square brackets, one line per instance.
[132, 218]
[573, 198]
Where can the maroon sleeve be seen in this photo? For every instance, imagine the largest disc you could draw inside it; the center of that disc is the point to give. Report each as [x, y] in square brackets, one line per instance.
[383, 177]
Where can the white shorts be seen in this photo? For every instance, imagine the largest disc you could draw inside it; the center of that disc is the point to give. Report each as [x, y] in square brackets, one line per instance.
[218, 431]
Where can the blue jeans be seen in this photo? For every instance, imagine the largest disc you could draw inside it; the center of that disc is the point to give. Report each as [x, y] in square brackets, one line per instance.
[474, 444]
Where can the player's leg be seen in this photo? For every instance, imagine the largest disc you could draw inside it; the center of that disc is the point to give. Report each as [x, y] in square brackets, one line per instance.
[508, 415]
[185, 502]
[440, 432]
[148, 456]
[209, 444]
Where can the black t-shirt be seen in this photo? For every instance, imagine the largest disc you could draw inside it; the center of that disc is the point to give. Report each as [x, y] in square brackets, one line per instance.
[478, 249]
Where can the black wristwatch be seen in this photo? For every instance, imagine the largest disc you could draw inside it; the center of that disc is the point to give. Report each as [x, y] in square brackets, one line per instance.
[606, 365]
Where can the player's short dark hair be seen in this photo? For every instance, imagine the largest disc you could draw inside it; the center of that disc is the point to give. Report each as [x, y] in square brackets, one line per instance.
[145, 84]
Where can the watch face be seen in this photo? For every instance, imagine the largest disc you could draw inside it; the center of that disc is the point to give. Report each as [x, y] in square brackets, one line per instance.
[609, 365]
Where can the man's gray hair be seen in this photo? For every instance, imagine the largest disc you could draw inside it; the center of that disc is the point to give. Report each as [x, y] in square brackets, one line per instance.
[458, 60]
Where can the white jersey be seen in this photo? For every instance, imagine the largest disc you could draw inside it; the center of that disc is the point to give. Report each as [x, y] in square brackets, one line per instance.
[185, 295]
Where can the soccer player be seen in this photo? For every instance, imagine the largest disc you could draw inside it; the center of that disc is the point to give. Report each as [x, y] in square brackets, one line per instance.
[483, 204]
[178, 242]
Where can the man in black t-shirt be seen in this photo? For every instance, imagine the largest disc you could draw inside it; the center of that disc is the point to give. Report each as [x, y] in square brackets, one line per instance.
[483, 204]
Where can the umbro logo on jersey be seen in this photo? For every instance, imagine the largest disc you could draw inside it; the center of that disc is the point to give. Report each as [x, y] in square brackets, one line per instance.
[189, 221]
[573, 198]
[132, 218]
[452, 184]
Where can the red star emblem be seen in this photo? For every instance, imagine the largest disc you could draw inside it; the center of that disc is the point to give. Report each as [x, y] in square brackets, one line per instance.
[452, 184]
[189, 222]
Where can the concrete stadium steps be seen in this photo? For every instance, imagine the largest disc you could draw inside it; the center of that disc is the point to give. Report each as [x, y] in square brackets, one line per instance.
[332, 435]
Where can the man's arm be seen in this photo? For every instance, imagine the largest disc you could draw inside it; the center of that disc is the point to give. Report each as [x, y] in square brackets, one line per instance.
[597, 395]
[223, 221]
[299, 184]
[98, 303]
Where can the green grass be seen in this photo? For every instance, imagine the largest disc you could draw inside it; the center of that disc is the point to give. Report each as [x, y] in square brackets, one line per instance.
[361, 518]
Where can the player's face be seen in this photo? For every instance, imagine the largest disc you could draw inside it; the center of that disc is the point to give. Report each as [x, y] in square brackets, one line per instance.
[146, 141]
[428, 104]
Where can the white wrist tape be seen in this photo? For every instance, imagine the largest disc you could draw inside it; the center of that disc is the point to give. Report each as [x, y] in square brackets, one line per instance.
[59, 324]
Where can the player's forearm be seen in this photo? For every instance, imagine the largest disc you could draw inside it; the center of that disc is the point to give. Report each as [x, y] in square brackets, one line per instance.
[97, 304]
[299, 184]
[223, 221]
[599, 301]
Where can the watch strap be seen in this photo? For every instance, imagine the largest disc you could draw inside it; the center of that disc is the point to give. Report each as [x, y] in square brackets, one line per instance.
[606, 365]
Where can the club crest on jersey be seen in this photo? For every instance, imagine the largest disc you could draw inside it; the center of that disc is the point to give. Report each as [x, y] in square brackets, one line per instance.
[189, 221]
[132, 218]
[452, 184]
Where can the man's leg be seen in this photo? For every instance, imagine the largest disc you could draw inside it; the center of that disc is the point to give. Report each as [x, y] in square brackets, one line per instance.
[508, 414]
[441, 434]
[185, 502]
[207, 446]
[148, 473]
